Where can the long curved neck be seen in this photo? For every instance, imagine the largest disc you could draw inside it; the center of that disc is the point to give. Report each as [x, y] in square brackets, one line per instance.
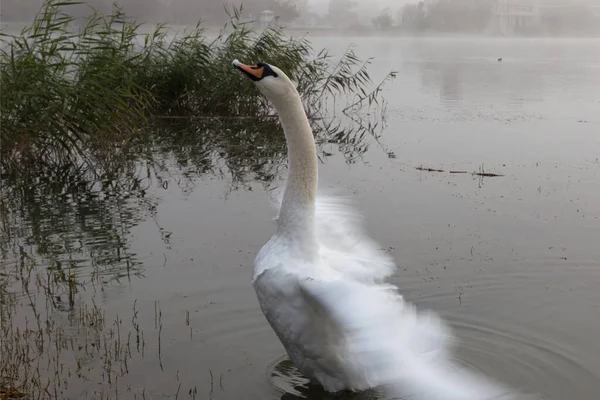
[297, 213]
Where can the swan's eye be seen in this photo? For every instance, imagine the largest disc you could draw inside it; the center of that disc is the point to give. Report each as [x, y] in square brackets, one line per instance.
[268, 71]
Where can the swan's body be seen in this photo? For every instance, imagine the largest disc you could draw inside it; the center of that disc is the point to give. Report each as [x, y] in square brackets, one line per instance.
[320, 284]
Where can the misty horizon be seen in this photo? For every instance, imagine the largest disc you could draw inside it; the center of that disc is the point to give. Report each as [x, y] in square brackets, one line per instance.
[491, 17]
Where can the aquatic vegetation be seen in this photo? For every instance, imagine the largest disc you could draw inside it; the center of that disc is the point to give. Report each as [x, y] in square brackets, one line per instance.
[42, 354]
[75, 90]
[63, 91]
[93, 113]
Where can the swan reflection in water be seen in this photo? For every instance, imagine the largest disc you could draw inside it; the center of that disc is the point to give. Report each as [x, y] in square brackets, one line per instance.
[285, 377]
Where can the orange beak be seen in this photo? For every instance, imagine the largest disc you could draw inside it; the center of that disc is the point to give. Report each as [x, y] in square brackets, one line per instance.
[250, 70]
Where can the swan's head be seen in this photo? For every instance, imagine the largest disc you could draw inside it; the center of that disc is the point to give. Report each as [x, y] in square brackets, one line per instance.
[270, 80]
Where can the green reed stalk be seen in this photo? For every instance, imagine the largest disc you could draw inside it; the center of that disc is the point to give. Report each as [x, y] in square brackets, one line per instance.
[74, 90]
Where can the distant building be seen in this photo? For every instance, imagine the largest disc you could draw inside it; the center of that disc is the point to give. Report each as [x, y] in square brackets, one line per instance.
[428, 4]
[510, 16]
[266, 17]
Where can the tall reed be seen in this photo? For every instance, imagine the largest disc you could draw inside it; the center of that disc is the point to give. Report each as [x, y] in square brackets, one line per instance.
[74, 90]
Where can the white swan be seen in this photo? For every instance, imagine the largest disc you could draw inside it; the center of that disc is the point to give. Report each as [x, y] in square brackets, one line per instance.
[319, 282]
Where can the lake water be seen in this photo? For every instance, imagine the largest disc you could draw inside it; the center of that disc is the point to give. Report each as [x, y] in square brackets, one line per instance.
[513, 262]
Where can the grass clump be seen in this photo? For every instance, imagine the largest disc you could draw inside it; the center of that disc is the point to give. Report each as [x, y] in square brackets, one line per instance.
[74, 89]
[63, 91]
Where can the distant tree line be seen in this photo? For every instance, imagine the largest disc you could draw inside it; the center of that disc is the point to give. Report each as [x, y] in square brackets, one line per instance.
[447, 15]
[472, 16]
[577, 18]
[468, 16]
[170, 11]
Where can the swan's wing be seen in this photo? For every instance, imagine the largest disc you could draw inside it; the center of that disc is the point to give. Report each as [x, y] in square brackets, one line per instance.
[345, 246]
[390, 343]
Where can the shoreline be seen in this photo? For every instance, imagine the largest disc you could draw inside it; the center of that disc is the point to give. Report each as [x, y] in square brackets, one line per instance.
[14, 27]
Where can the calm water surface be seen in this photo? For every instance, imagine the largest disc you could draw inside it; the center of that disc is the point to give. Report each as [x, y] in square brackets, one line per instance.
[513, 262]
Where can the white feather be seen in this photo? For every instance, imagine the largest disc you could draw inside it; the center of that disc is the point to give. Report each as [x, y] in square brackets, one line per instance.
[320, 284]
[345, 328]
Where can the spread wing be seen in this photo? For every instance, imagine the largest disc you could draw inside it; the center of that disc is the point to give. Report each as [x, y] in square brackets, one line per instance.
[344, 245]
[389, 343]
